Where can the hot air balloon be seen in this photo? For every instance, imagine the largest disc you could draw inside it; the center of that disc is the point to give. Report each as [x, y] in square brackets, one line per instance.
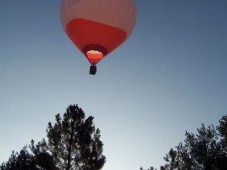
[97, 27]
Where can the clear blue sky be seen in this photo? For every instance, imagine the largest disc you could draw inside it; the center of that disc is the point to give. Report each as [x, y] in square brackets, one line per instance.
[170, 76]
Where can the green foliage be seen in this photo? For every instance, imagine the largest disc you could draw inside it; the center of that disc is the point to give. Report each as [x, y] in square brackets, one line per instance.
[73, 143]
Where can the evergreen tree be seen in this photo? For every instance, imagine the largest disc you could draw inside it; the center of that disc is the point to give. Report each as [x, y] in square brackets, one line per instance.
[73, 143]
[171, 159]
[19, 161]
[206, 150]
[41, 156]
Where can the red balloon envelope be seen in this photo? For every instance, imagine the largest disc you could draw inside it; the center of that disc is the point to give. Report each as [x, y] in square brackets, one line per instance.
[97, 27]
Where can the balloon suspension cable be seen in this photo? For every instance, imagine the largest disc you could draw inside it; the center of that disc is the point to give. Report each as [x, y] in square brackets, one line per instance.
[93, 69]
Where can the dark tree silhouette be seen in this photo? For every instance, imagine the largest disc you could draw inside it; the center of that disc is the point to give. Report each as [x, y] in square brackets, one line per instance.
[171, 159]
[206, 150]
[73, 141]
[73, 144]
[22, 160]
[41, 156]
[151, 168]
[222, 129]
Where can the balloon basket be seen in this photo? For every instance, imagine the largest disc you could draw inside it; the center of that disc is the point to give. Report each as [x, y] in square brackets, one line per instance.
[93, 69]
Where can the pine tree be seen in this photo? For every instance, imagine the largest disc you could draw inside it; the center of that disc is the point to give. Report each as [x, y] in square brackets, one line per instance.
[73, 143]
[205, 150]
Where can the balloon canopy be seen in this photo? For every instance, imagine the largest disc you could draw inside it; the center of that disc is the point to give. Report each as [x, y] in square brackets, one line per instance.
[97, 27]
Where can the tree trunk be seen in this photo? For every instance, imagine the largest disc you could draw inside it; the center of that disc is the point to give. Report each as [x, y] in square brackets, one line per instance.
[70, 148]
